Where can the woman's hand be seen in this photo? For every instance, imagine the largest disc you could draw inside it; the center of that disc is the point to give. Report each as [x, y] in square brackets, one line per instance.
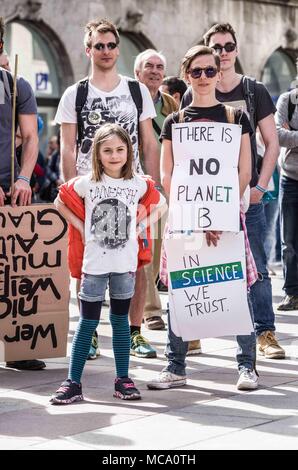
[213, 237]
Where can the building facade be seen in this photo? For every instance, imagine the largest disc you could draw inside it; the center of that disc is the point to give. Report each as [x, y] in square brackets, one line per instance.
[48, 38]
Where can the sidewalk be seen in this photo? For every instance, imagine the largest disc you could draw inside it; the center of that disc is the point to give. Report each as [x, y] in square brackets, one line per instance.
[209, 413]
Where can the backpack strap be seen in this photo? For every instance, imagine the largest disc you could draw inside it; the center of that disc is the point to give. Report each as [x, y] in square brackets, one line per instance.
[249, 85]
[135, 91]
[81, 97]
[8, 87]
[230, 113]
[292, 103]
[181, 116]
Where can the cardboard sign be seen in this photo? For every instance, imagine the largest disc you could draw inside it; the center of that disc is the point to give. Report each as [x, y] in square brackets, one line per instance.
[34, 283]
[205, 187]
[208, 286]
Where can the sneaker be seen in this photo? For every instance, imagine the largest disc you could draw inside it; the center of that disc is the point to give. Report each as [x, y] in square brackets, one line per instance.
[248, 380]
[167, 380]
[194, 348]
[140, 347]
[30, 364]
[68, 392]
[94, 348]
[125, 389]
[268, 346]
[155, 323]
[289, 302]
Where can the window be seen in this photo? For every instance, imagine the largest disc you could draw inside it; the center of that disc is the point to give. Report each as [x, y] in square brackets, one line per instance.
[278, 73]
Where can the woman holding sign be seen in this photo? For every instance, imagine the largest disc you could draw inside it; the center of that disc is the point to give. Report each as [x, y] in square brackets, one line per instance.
[201, 69]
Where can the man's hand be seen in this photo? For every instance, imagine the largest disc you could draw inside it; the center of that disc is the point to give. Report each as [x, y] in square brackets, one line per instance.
[2, 197]
[21, 193]
[255, 196]
[212, 237]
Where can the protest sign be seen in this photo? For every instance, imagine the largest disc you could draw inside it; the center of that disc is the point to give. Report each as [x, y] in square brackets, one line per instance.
[34, 283]
[205, 186]
[207, 286]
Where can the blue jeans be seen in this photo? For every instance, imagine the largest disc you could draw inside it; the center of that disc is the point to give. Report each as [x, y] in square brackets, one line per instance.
[272, 236]
[289, 233]
[176, 350]
[93, 286]
[261, 291]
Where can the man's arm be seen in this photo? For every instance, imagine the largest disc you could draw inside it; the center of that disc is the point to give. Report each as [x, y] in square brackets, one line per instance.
[244, 163]
[269, 135]
[150, 150]
[68, 150]
[286, 136]
[28, 130]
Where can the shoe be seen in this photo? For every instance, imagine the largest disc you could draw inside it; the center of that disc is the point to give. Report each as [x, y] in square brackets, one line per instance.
[155, 323]
[268, 346]
[30, 364]
[68, 392]
[289, 302]
[248, 380]
[167, 380]
[125, 389]
[194, 348]
[94, 348]
[140, 347]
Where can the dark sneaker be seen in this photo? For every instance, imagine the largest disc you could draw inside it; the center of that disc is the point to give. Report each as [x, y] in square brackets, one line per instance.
[289, 302]
[126, 389]
[68, 392]
[94, 348]
[30, 364]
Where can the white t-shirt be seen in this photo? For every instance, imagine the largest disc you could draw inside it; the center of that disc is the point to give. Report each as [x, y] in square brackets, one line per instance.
[110, 224]
[116, 106]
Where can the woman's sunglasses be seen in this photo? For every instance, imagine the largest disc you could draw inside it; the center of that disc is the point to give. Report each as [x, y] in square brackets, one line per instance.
[209, 72]
[100, 46]
[228, 47]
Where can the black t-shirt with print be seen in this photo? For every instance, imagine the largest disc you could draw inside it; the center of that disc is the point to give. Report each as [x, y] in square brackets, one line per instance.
[215, 113]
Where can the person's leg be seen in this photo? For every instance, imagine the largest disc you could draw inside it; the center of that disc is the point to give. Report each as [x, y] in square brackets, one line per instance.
[261, 291]
[91, 296]
[289, 230]
[140, 347]
[121, 291]
[174, 374]
[271, 214]
[94, 346]
[246, 351]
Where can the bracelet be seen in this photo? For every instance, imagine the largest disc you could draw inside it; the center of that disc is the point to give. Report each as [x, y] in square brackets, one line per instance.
[142, 226]
[158, 187]
[260, 188]
[24, 178]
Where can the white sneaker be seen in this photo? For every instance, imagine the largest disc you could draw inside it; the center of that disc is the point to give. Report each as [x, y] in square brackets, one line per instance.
[167, 380]
[248, 380]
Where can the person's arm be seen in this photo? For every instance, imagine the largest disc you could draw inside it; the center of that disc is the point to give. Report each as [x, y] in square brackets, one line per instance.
[156, 213]
[244, 166]
[166, 165]
[287, 137]
[28, 130]
[68, 150]
[150, 150]
[269, 135]
[70, 217]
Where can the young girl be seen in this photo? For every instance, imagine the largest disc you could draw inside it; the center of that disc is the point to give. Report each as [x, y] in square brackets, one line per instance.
[111, 196]
[201, 68]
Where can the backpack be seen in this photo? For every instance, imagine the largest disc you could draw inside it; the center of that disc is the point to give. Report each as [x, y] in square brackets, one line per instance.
[81, 97]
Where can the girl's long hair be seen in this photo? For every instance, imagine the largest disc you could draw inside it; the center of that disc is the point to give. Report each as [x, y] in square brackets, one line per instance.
[102, 134]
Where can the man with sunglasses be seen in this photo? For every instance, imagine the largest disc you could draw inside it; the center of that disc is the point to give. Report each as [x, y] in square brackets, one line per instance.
[240, 91]
[109, 99]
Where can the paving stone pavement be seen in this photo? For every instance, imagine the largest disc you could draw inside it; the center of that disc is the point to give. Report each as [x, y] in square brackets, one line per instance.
[209, 413]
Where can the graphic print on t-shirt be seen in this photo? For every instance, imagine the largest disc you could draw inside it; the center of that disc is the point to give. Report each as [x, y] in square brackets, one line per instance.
[114, 109]
[110, 221]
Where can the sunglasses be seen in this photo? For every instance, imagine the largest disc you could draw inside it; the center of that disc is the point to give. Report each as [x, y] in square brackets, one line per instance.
[209, 72]
[100, 46]
[228, 47]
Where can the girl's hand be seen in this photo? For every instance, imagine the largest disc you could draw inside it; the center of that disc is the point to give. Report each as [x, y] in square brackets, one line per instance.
[213, 237]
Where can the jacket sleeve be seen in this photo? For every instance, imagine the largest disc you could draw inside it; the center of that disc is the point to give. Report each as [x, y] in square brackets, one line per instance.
[287, 138]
